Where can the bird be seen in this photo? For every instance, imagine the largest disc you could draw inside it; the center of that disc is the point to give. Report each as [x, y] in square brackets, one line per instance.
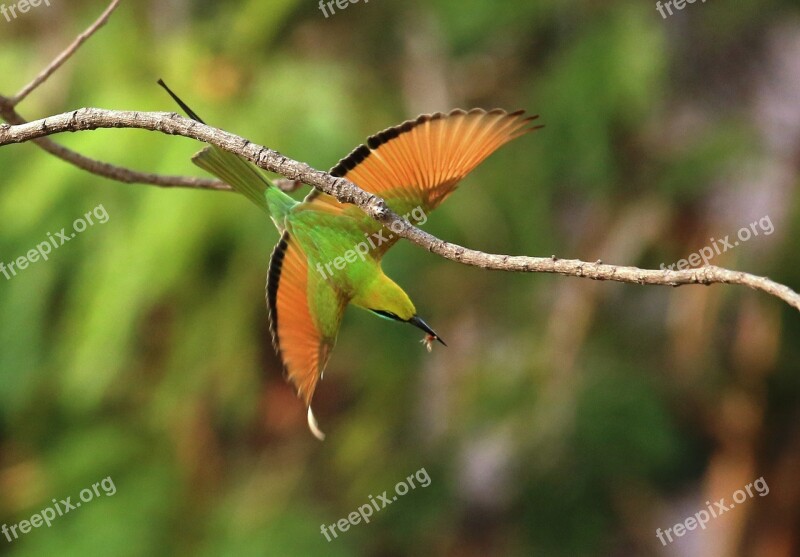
[413, 167]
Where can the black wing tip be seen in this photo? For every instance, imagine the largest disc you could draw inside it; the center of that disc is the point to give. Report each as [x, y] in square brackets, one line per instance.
[352, 160]
[375, 141]
[273, 280]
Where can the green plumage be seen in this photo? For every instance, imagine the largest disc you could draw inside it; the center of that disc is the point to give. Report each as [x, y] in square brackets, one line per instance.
[329, 254]
[326, 239]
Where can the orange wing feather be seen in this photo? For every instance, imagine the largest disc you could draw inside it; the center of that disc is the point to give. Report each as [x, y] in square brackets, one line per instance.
[420, 162]
[302, 347]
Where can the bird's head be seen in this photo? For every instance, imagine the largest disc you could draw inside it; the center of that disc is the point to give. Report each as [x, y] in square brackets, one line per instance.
[386, 299]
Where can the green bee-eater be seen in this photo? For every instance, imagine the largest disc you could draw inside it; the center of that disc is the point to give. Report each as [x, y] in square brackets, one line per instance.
[329, 254]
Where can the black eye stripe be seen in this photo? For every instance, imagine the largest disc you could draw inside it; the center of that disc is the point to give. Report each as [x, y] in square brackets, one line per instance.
[387, 314]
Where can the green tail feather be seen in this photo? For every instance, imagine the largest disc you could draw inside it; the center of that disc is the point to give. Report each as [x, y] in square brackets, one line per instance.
[237, 172]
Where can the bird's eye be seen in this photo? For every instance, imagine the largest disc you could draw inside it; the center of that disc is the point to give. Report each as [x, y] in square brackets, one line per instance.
[386, 314]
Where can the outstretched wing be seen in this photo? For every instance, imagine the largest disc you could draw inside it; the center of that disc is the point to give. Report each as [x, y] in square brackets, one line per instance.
[420, 162]
[304, 313]
[416, 164]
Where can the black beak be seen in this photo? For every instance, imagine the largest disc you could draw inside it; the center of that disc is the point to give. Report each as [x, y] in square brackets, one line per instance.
[417, 322]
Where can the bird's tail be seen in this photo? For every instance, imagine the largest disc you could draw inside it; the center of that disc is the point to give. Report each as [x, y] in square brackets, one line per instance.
[237, 172]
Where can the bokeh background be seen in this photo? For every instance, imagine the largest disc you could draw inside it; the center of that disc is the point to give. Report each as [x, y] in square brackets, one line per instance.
[566, 417]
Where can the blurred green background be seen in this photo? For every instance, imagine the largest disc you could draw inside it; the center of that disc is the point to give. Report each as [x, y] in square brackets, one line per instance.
[566, 417]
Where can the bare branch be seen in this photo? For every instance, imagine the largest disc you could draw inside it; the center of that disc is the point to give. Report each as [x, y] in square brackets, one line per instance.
[65, 55]
[107, 170]
[347, 192]
[125, 175]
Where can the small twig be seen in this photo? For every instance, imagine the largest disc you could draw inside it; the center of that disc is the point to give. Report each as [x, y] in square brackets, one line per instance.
[111, 171]
[118, 173]
[107, 170]
[122, 174]
[347, 192]
[65, 55]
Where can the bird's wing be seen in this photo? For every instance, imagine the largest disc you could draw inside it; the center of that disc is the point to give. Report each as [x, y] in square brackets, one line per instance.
[304, 313]
[420, 162]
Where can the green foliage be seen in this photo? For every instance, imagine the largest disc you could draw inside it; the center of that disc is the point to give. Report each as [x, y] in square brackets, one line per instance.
[140, 349]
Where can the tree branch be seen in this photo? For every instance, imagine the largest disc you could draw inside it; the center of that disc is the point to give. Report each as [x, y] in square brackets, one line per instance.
[113, 172]
[107, 170]
[347, 192]
[120, 173]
